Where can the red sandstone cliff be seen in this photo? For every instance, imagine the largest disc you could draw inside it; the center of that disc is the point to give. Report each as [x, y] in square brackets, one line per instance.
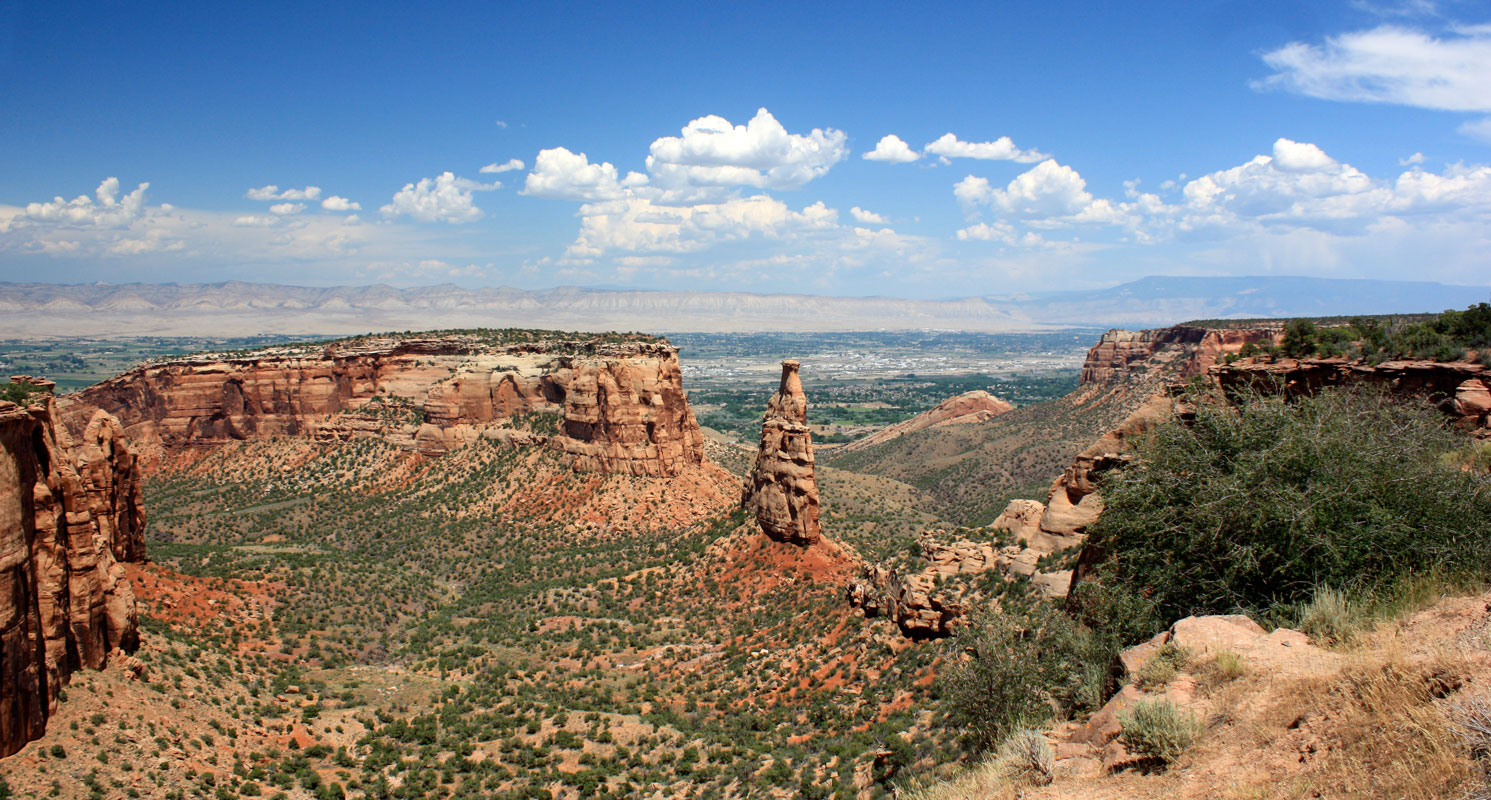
[620, 407]
[67, 517]
[1178, 351]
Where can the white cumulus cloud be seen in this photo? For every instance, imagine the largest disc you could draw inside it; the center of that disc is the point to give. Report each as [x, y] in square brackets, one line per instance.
[1001, 149]
[507, 166]
[286, 208]
[561, 174]
[713, 153]
[443, 198]
[335, 203]
[893, 149]
[864, 217]
[272, 192]
[109, 210]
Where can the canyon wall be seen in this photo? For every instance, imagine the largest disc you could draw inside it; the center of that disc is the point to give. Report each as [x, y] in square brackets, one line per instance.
[1179, 351]
[608, 406]
[68, 517]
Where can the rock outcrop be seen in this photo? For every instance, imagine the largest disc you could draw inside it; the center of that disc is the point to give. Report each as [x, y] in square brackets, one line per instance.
[782, 492]
[1179, 351]
[965, 409]
[1460, 389]
[612, 406]
[65, 513]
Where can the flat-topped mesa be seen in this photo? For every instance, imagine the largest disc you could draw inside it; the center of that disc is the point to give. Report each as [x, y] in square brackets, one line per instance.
[65, 513]
[1166, 353]
[782, 491]
[613, 404]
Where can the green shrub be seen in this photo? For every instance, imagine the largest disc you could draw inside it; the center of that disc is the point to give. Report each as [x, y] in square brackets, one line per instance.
[1330, 617]
[1160, 668]
[1249, 508]
[1026, 659]
[1026, 757]
[1225, 667]
[1157, 729]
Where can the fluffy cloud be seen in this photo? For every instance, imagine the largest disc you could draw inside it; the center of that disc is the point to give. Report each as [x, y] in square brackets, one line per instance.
[640, 225]
[1048, 190]
[508, 166]
[712, 153]
[1001, 149]
[558, 173]
[892, 149]
[864, 217]
[109, 210]
[283, 209]
[443, 198]
[271, 193]
[1390, 64]
[335, 203]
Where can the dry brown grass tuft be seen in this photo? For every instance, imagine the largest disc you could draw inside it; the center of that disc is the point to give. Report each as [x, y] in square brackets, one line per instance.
[1382, 731]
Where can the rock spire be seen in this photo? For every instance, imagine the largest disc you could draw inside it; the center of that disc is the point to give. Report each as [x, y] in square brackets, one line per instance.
[782, 491]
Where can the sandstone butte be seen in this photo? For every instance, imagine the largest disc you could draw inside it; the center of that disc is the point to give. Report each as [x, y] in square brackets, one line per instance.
[782, 492]
[964, 409]
[616, 407]
[69, 516]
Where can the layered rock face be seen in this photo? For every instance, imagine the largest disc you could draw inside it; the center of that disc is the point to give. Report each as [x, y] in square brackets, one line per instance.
[1461, 389]
[614, 407]
[1180, 350]
[965, 409]
[782, 492]
[65, 603]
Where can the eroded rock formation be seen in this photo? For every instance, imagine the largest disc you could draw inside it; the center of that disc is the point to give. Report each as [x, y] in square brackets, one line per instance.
[782, 492]
[965, 409]
[65, 513]
[609, 406]
[1178, 351]
[1460, 389]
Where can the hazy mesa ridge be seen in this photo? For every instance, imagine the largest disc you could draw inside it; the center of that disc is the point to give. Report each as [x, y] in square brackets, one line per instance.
[611, 404]
[69, 515]
[238, 308]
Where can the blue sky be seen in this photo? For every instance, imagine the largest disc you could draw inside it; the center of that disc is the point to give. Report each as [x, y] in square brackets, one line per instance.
[1037, 146]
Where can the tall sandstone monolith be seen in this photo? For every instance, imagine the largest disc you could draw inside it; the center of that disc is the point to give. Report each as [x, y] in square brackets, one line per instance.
[65, 602]
[782, 491]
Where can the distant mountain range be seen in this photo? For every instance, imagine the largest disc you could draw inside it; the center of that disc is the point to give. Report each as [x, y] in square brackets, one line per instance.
[237, 308]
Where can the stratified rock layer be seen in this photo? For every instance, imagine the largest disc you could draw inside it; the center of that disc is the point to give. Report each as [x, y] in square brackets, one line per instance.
[609, 406]
[782, 492]
[64, 600]
[1178, 351]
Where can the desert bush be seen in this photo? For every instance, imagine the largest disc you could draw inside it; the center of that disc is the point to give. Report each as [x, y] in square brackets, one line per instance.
[1024, 662]
[1250, 507]
[1225, 667]
[1330, 617]
[1160, 668]
[1026, 757]
[1470, 720]
[1157, 729]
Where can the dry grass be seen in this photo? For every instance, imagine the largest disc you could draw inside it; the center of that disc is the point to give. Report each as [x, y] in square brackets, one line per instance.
[1023, 760]
[1382, 732]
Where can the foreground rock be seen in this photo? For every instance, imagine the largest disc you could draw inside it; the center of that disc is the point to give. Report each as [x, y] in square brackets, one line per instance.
[965, 409]
[782, 491]
[612, 405]
[68, 516]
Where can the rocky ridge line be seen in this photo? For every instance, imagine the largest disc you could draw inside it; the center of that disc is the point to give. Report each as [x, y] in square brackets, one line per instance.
[615, 407]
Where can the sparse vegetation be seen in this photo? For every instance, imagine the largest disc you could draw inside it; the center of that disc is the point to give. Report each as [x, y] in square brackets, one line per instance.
[1156, 729]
